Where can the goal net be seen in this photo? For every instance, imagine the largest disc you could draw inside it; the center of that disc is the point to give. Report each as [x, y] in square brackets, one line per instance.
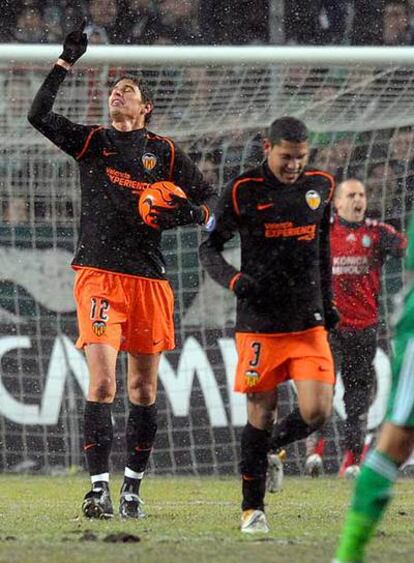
[360, 113]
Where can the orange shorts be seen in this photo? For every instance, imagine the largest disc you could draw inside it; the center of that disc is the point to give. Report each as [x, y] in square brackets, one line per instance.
[127, 312]
[266, 360]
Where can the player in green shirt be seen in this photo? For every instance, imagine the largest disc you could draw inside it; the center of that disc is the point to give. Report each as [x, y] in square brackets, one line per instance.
[374, 485]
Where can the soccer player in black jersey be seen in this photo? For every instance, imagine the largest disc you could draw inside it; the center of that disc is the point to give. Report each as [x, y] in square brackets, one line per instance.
[124, 301]
[281, 211]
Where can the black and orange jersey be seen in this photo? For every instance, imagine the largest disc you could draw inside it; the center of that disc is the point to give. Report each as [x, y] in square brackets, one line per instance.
[284, 240]
[115, 167]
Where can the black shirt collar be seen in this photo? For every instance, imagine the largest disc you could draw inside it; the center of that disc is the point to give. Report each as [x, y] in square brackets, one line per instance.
[350, 224]
[135, 134]
[268, 175]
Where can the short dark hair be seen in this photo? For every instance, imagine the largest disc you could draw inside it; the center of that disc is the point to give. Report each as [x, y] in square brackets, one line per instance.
[287, 129]
[143, 86]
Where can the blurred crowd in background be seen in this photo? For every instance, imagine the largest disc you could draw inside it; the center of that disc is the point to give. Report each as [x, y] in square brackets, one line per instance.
[212, 22]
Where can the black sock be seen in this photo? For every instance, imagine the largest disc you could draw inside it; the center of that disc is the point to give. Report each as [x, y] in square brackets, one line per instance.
[355, 430]
[140, 435]
[290, 429]
[98, 436]
[253, 466]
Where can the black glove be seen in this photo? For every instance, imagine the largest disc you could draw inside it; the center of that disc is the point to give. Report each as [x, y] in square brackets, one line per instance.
[245, 286]
[74, 45]
[184, 213]
[332, 316]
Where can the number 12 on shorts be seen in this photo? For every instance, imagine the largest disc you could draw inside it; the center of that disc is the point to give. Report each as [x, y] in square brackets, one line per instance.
[99, 309]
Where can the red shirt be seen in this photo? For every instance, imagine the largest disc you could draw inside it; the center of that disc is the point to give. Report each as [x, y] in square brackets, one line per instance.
[359, 251]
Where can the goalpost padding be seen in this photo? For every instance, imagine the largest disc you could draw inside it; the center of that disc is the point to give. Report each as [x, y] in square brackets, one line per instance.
[215, 102]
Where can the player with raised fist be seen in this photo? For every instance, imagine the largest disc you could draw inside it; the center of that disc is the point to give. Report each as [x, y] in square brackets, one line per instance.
[124, 300]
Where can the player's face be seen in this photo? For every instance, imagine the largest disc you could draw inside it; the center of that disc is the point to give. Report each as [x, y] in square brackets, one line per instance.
[125, 101]
[286, 160]
[351, 201]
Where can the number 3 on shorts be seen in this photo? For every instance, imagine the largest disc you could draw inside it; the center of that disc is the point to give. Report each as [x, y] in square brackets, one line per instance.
[256, 348]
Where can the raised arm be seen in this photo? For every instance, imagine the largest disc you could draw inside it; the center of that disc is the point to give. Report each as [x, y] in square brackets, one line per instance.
[61, 131]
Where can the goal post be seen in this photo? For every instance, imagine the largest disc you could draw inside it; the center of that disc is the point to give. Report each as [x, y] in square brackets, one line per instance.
[215, 102]
[229, 56]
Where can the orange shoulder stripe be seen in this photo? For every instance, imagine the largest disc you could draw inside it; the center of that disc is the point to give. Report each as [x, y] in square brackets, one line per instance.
[207, 212]
[234, 279]
[236, 186]
[326, 175]
[89, 446]
[86, 143]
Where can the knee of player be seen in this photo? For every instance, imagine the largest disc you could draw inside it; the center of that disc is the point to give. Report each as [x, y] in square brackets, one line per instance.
[316, 416]
[260, 416]
[142, 393]
[103, 390]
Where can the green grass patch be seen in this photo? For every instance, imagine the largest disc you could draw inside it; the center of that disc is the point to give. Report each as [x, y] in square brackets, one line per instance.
[189, 520]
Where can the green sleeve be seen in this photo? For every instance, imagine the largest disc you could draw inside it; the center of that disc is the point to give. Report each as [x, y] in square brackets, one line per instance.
[409, 261]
